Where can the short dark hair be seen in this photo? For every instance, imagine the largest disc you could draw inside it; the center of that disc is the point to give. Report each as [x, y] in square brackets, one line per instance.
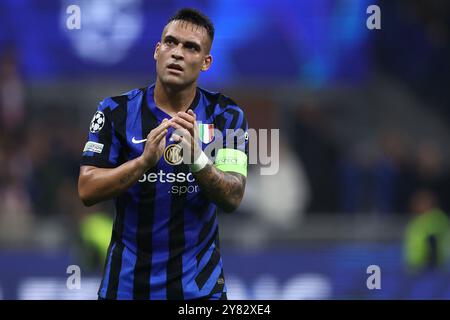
[195, 17]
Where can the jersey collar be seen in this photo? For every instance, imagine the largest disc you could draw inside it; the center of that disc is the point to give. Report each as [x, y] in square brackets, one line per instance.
[159, 113]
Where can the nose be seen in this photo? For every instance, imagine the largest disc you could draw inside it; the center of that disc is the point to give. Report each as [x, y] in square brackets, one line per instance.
[177, 53]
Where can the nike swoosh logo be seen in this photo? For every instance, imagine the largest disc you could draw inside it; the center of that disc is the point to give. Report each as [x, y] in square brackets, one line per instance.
[137, 141]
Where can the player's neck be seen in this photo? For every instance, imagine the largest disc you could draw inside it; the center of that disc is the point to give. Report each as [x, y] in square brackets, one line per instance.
[173, 100]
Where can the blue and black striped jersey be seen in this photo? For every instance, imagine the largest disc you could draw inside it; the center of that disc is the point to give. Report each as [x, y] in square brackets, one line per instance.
[165, 239]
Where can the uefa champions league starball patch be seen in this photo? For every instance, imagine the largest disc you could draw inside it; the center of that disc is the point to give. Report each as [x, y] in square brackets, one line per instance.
[97, 123]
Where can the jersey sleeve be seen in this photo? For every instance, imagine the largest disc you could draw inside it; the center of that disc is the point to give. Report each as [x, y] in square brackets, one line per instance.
[102, 147]
[233, 157]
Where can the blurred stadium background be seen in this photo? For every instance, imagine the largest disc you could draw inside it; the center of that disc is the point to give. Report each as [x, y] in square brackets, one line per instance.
[364, 129]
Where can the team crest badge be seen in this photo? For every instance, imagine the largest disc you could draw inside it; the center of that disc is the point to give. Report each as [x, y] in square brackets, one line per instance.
[173, 154]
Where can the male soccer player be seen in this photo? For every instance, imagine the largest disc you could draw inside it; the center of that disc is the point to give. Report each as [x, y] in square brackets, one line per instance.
[165, 241]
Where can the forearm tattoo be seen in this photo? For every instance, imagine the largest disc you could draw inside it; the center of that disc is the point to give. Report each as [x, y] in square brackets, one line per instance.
[226, 189]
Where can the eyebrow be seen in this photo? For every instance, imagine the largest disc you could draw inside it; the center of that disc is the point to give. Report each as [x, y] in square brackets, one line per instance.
[186, 43]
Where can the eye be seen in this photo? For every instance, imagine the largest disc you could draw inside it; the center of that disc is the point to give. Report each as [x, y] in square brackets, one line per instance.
[169, 42]
[192, 47]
